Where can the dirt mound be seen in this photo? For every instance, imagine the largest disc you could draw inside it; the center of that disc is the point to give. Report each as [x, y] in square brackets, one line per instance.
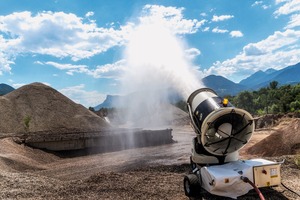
[268, 120]
[18, 157]
[271, 120]
[284, 141]
[37, 107]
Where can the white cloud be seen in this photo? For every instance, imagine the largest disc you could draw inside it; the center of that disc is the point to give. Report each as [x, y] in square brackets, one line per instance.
[278, 41]
[192, 53]
[217, 30]
[205, 29]
[253, 50]
[294, 21]
[257, 3]
[102, 71]
[71, 69]
[66, 35]
[56, 34]
[260, 3]
[236, 34]
[17, 85]
[221, 18]
[79, 95]
[276, 51]
[4, 62]
[170, 17]
[280, 1]
[288, 7]
[265, 7]
[89, 14]
[65, 66]
[113, 70]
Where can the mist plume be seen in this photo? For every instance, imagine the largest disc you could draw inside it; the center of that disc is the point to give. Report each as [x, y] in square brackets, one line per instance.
[156, 65]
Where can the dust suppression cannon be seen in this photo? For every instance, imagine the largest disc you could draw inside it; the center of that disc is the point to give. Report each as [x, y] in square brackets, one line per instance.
[221, 130]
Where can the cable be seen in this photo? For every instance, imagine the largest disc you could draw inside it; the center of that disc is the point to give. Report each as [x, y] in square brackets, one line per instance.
[246, 180]
[290, 189]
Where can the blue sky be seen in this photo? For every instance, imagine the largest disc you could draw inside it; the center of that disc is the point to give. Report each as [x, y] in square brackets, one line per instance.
[77, 46]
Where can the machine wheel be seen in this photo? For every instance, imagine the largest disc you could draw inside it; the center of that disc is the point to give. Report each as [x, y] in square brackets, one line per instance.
[193, 165]
[191, 185]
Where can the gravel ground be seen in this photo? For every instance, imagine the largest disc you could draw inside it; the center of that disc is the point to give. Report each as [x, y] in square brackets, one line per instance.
[161, 182]
[144, 173]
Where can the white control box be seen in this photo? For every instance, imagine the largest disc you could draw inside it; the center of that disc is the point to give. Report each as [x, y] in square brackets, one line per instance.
[266, 175]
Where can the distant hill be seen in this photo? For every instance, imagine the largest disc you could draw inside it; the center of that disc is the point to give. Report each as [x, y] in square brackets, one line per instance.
[115, 101]
[222, 86]
[44, 109]
[5, 89]
[257, 77]
[288, 75]
[111, 101]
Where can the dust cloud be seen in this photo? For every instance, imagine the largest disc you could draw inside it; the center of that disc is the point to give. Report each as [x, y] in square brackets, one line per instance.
[157, 65]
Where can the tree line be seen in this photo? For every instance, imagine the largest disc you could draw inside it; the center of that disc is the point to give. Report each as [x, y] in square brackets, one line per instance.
[269, 100]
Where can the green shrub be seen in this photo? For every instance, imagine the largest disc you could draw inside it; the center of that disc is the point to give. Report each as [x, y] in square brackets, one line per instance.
[27, 120]
[297, 160]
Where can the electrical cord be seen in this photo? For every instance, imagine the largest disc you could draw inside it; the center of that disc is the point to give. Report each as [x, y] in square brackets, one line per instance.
[290, 189]
[246, 180]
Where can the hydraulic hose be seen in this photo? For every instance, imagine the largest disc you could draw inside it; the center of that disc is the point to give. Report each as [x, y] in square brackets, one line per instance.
[246, 180]
[290, 190]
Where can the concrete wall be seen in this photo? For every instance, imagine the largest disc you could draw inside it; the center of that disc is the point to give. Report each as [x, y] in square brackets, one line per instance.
[106, 141]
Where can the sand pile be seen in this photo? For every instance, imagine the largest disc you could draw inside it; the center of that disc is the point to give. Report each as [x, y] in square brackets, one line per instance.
[37, 107]
[284, 141]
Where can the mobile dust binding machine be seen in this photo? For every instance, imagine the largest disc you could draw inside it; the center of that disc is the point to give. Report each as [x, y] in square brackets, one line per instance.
[221, 131]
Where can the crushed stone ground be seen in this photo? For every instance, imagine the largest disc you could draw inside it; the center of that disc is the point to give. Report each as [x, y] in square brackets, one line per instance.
[144, 173]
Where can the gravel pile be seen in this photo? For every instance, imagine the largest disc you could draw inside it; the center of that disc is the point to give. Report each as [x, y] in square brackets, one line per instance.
[284, 141]
[38, 107]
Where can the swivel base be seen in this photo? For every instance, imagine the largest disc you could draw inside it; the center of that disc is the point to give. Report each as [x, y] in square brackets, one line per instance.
[201, 157]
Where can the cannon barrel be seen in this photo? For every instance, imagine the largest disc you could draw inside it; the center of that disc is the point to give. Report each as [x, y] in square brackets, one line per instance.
[220, 127]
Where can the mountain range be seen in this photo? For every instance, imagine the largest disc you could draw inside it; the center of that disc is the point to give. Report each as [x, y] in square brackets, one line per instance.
[288, 75]
[5, 89]
[223, 86]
